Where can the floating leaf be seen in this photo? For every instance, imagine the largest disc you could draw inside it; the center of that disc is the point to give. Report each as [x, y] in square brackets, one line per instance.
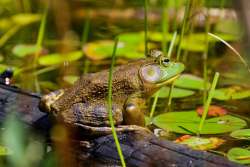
[70, 79]
[190, 82]
[158, 36]
[5, 24]
[23, 50]
[5, 151]
[187, 122]
[198, 143]
[239, 155]
[234, 92]
[176, 92]
[132, 38]
[53, 59]
[26, 18]
[213, 111]
[241, 134]
[233, 27]
[100, 50]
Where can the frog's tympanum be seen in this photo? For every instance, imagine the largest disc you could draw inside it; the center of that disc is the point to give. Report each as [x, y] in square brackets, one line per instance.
[85, 105]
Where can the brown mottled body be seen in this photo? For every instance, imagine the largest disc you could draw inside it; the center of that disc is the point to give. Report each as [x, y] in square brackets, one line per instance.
[85, 103]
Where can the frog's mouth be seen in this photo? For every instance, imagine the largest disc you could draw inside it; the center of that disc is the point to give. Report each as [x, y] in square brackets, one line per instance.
[161, 75]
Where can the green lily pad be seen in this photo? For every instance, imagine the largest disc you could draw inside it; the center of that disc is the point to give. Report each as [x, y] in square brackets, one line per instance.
[176, 92]
[189, 81]
[187, 122]
[23, 50]
[233, 92]
[233, 27]
[103, 49]
[5, 23]
[158, 36]
[53, 59]
[239, 155]
[25, 18]
[70, 79]
[132, 38]
[5, 151]
[241, 134]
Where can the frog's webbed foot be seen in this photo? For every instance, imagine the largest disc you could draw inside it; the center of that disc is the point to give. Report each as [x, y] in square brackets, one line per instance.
[101, 131]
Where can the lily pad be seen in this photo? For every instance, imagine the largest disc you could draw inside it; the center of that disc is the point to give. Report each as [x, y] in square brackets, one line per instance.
[23, 50]
[176, 92]
[132, 38]
[198, 143]
[189, 81]
[5, 151]
[70, 79]
[53, 59]
[241, 134]
[239, 155]
[25, 18]
[187, 122]
[103, 49]
[234, 92]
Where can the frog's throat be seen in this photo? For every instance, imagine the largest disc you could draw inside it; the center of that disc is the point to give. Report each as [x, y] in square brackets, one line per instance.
[168, 81]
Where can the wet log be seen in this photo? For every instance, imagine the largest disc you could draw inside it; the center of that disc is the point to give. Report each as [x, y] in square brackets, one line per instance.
[139, 148]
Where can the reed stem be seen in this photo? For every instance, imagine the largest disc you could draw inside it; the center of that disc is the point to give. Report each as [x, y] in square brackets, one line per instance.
[110, 105]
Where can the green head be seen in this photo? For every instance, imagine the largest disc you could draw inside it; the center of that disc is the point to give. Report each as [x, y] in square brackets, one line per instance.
[160, 70]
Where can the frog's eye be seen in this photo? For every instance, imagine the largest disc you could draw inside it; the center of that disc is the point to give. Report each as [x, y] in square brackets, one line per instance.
[151, 73]
[165, 61]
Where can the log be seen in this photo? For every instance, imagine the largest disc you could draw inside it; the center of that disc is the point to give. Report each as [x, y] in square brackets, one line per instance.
[139, 148]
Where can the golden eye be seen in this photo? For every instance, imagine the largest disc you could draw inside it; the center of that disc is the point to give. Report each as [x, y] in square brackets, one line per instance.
[165, 61]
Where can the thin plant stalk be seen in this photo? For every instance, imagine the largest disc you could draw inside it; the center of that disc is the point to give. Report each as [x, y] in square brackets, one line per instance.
[39, 46]
[164, 24]
[154, 105]
[172, 85]
[146, 27]
[84, 40]
[170, 50]
[183, 27]
[8, 35]
[110, 105]
[205, 55]
[234, 50]
[209, 99]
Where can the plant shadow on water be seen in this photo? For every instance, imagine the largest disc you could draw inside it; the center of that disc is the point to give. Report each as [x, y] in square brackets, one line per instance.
[49, 45]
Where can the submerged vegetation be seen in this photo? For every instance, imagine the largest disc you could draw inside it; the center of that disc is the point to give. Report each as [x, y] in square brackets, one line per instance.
[48, 45]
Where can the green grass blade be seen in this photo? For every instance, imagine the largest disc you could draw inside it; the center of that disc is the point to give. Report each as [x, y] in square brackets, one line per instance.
[170, 50]
[209, 99]
[39, 45]
[183, 27]
[110, 105]
[164, 24]
[234, 50]
[146, 27]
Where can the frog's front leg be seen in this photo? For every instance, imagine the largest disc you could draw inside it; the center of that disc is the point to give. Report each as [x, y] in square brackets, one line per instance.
[100, 131]
[134, 110]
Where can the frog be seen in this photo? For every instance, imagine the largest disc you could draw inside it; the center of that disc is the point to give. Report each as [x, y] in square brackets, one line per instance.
[85, 104]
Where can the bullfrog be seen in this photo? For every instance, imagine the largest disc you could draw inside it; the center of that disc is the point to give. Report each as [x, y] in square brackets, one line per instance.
[84, 104]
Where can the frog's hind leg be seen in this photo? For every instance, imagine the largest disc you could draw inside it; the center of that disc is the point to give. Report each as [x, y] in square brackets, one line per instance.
[108, 130]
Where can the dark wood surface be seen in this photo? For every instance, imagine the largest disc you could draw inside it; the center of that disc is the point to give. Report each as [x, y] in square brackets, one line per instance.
[139, 148]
